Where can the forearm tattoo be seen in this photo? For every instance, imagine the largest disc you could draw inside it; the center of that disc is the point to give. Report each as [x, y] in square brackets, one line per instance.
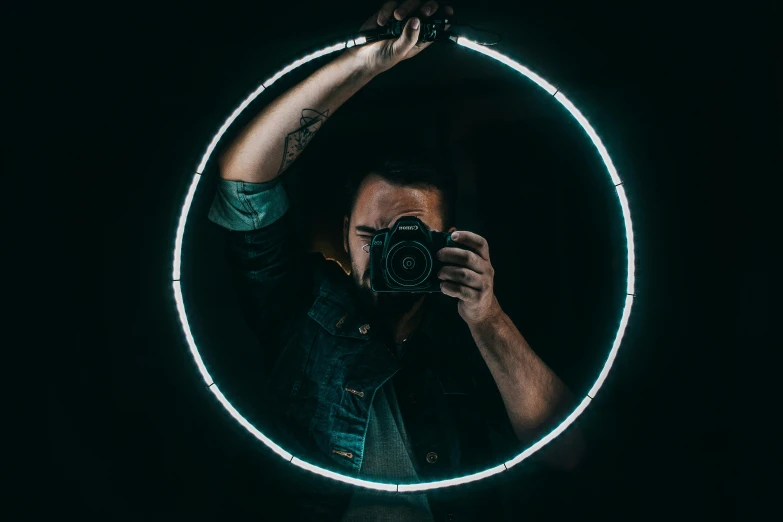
[296, 141]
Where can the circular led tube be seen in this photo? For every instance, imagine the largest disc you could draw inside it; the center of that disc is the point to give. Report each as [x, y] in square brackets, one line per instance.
[381, 486]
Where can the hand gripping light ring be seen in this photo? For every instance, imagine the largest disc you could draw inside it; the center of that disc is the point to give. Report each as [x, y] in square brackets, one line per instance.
[401, 488]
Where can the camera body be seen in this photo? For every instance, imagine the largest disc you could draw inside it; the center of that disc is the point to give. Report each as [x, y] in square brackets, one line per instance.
[404, 258]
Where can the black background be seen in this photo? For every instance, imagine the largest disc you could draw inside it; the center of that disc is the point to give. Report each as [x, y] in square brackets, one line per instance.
[683, 100]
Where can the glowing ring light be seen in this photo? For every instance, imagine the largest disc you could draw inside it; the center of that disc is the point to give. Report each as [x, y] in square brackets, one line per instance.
[442, 483]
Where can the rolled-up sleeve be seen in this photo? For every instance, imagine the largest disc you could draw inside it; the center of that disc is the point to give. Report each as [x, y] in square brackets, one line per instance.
[269, 266]
[243, 206]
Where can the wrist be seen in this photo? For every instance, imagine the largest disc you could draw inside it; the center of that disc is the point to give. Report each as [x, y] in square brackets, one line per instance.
[492, 318]
[359, 61]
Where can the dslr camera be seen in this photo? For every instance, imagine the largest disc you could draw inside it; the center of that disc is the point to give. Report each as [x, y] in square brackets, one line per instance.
[404, 258]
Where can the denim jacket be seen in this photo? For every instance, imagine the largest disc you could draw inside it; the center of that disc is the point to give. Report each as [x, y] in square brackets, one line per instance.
[324, 363]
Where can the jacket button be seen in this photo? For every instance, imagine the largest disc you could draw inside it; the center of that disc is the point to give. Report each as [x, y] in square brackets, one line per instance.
[432, 457]
[451, 517]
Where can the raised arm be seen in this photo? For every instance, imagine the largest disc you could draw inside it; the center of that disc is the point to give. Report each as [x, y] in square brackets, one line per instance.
[269, 267]
[280, 132]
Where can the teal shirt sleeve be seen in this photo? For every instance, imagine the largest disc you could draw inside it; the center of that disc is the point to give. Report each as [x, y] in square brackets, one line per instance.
[243, 206]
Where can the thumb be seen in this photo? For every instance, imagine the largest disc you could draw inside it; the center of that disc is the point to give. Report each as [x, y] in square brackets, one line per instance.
[407, 39]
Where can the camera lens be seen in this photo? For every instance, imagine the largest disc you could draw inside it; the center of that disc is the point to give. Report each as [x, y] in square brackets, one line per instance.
[408, 264]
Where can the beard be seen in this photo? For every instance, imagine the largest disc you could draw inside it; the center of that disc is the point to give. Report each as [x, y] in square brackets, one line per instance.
[382, 307]
[387, 305]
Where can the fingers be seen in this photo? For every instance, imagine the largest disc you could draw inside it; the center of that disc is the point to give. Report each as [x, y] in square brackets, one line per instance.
[462, 292]
[429, 7]
[380, 18]
[462, 276]
[390, 10]
[386, 12]
[464, 258]
[473, 241]
[406, 8]
[407, 40]
[449, 12]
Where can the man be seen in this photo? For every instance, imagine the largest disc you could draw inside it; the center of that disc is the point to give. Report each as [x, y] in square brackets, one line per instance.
[385, 386]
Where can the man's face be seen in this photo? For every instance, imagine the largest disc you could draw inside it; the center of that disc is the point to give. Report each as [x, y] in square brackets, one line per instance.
[379, 205]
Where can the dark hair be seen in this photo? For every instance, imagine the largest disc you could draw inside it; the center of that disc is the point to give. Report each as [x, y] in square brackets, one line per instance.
[407, 170]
